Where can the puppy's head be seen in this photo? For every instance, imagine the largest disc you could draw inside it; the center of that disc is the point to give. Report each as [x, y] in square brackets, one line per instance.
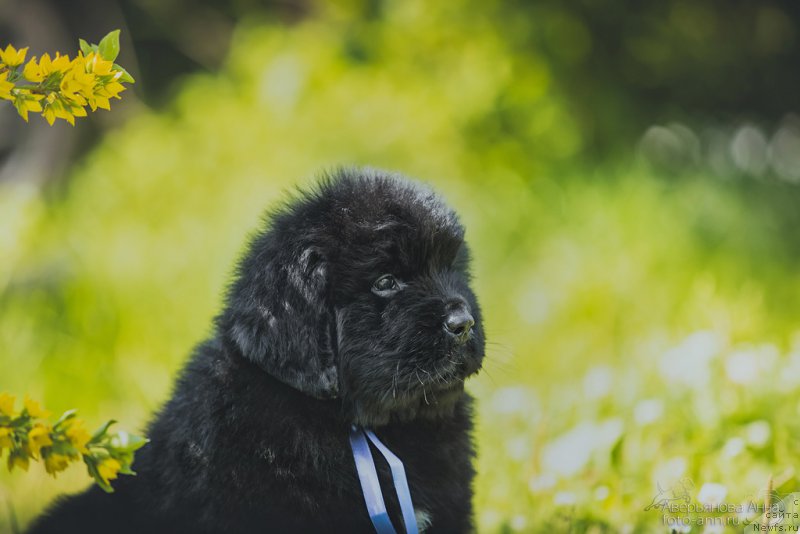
[359, 290]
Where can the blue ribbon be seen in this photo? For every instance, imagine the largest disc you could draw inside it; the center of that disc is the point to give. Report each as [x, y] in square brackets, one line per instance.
[371, 488]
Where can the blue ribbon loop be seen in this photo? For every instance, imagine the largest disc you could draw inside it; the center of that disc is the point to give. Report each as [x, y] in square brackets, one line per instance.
[371, 488]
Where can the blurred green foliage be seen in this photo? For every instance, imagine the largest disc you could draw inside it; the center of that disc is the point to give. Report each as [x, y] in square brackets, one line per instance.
[641, 325]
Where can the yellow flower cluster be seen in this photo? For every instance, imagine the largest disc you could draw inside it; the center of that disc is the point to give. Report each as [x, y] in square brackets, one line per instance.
[27, 437]
[60, 87]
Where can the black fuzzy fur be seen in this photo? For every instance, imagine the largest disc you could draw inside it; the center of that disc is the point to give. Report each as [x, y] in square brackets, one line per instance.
[255, 436]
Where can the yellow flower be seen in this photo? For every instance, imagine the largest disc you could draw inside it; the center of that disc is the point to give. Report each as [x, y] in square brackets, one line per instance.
[98, 66]
[32, 72]
[99, 102]
[77, 84]
[5, 438]
[54, 109]
[34, 409]
[49, 66]
[54, 463]
[38, 437]
[108, 469]
[26, 101]
[62, 112]
[49, 115]
[18, 460]
[111, 90]
[7, 404]
[78, 111]
[12, 57]
[78, 436]
[5, 87]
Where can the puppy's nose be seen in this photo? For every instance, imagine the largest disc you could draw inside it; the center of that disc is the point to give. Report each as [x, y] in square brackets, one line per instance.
[459, 322]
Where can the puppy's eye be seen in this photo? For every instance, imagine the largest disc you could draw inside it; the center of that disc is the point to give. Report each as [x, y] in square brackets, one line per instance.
[385, 285]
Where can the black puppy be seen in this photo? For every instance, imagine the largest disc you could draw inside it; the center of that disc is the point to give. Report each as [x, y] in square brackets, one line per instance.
[351, 307]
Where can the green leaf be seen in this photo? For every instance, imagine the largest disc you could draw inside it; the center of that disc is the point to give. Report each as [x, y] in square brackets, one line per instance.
[69, 414]
[101, 432]
[126, 442]
[126, 470]
[109, 46]
[126, 77]
[86, 48]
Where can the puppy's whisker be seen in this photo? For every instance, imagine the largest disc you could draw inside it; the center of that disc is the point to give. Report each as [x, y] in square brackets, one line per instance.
[489, 376]
[506, 368]
[416, 373]
[436, 377]
[421, 383]
[394, 380]
[439, 377]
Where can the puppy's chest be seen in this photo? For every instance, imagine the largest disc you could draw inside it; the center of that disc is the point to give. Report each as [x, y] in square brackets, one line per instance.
[438, 470]
[423, 498]
[436, 479]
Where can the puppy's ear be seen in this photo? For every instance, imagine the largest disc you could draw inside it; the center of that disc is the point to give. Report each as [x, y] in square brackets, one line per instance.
[279, 316]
